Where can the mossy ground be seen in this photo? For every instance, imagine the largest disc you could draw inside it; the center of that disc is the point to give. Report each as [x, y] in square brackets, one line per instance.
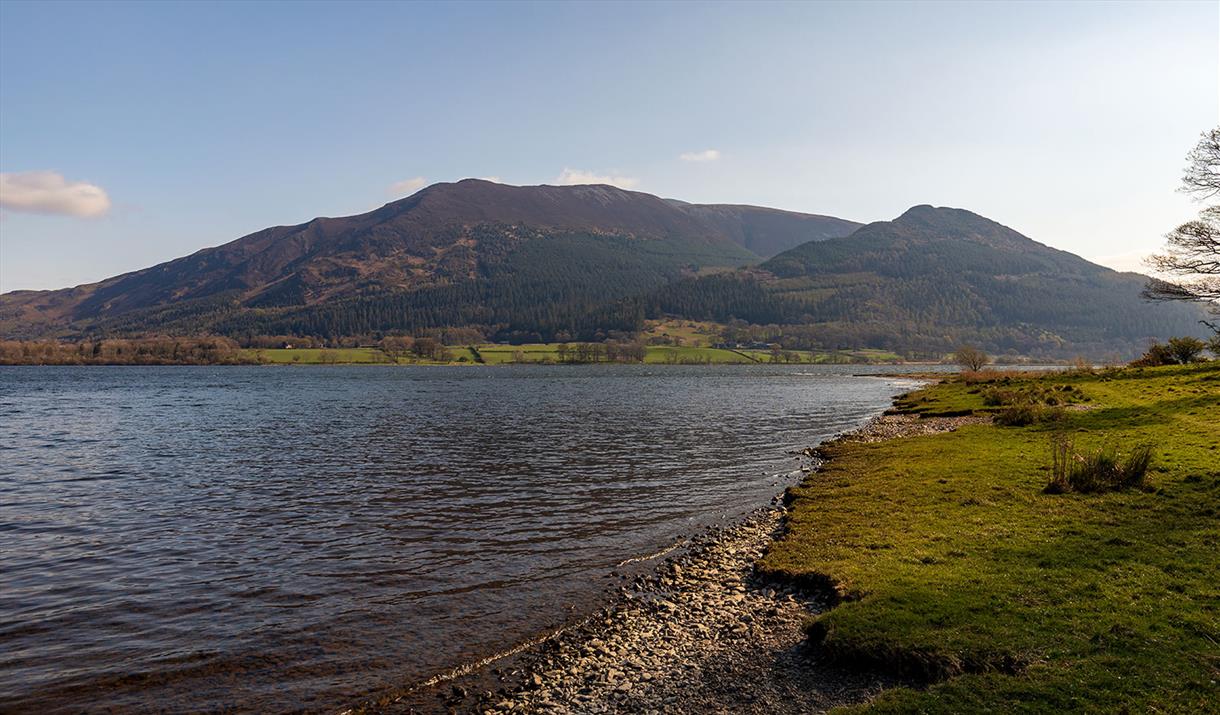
[955, 569]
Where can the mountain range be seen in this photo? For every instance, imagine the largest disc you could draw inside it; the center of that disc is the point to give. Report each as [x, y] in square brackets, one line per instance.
[582, 262]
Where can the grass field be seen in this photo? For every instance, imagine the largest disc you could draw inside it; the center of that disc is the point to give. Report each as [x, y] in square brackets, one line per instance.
[955, 569]
[319, 356]
[690, 333]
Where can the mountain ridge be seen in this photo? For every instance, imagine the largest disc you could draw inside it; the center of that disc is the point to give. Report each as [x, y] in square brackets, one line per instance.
[932, 277]
[442, 235]
[562, 263]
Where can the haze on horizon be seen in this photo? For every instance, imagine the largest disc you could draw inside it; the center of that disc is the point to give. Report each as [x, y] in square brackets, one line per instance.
[133, 133]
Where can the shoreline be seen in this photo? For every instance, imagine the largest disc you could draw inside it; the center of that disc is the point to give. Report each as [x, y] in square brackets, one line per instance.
[699, 631]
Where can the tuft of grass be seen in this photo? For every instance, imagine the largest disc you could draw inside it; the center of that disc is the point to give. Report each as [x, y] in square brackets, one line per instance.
[1028, 413]
[1099, 470]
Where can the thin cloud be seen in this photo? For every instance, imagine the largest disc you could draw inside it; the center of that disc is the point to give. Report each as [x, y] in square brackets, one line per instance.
[493, 179]
[1132, 261]
[48, 192]
[572, 177]
[701, 156]
[406, 187]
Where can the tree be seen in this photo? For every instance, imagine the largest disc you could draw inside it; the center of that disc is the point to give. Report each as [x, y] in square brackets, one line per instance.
[1155, 356]
[396, 346]
[1179, 350]
[1186, 349]
[1192, 257]
[428, 348]
[971, 357]
[1202, 177]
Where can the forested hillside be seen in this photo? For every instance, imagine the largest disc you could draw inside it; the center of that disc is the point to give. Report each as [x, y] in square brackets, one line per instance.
[474, 251]
[932, 278]
[548, 263]
[767, 232]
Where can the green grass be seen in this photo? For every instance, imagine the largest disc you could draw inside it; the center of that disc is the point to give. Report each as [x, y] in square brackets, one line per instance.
[319, 356]
[954, 568]
[494, 354]
[664, 354]
[692, 333]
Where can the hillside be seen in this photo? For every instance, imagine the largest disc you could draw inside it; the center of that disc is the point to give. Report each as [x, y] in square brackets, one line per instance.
[472, 251]
[929, 279]
[767, 232]
[554, 263]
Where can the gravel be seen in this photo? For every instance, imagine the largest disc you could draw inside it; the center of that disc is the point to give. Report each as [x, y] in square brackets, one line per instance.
[702, 633]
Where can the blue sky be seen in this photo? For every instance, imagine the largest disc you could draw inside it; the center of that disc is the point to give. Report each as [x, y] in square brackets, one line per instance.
[189, 125]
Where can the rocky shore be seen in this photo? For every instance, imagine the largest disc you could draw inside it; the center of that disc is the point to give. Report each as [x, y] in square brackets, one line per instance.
[701, 633]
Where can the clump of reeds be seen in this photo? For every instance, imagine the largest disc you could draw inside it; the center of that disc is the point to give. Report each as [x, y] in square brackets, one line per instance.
[1028, 413]
[1102, 470]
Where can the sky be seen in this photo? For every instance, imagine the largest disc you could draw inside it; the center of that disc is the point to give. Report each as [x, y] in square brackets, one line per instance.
[134, 133]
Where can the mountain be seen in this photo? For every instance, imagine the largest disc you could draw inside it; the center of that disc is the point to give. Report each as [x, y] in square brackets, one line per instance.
[536, 259]
[582, 262]
[767, 232]
[930, 279]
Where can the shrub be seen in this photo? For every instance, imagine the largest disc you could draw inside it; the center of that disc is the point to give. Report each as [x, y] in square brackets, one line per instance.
[1030, 404]
[1080, 366]
[1028, 413]
[1177, 351]
[1156, 355]
[1186, 350]
[1101, 470]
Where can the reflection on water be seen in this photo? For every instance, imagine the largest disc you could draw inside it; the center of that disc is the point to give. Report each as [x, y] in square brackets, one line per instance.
[269, 539]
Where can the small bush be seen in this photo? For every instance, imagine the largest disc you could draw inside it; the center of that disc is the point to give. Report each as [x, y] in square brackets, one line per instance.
[1080, 366]
[1102, 470]
[1179, 351]
[1030, 404]
[1028, 413]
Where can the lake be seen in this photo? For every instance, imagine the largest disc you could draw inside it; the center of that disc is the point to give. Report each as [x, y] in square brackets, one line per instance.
[302, 538]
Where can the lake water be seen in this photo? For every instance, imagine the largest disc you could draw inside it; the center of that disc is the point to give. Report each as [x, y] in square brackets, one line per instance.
[276, 539]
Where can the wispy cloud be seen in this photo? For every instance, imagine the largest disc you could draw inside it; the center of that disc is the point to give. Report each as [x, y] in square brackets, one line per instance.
[571, 177]
[48, 192]
[493, 179]
[702, 156]
[1132, 261]
[406, 187]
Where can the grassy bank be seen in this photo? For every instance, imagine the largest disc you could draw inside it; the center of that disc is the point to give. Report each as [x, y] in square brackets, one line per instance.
[956, 569]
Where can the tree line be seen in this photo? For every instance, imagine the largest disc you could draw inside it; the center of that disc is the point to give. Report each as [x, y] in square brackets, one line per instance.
[124, 351]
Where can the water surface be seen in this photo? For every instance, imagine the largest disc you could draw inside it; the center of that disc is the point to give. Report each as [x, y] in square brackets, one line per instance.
[274, 539]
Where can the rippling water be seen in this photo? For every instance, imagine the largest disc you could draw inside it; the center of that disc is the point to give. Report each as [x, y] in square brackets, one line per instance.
[272, 539]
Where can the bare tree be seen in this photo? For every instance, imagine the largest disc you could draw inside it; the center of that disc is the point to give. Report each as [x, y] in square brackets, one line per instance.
[970, 357]
[1192, 256]
[1202, 177]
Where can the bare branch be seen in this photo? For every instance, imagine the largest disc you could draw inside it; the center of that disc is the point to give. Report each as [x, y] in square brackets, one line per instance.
[1202, 176]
